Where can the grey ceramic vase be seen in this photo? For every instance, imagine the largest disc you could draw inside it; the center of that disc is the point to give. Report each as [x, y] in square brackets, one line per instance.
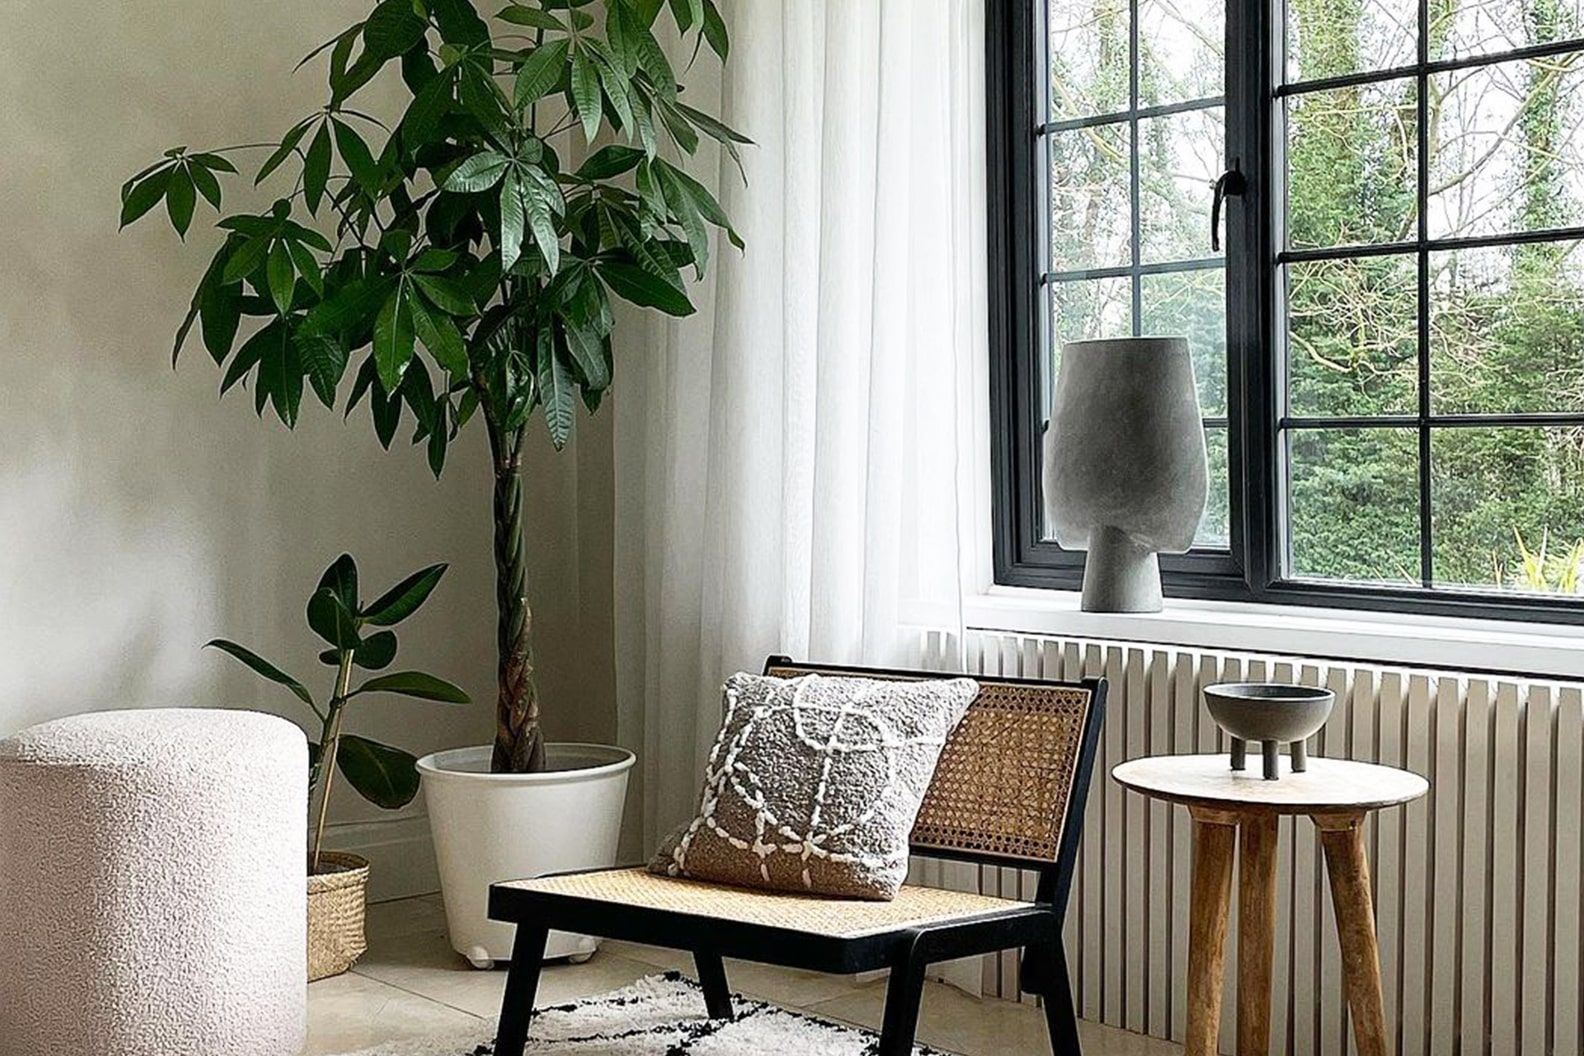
[1125, 473]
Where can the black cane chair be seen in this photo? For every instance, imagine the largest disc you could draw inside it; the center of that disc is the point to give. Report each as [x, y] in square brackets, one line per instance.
[1009, 791]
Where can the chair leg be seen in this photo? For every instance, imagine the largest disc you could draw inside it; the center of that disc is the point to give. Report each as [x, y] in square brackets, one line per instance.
[522, 983]
[712, 977]
[1060, 1016]
[903, 994]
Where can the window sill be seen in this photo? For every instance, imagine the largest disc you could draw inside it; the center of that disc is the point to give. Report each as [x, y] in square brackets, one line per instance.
[1499, 646]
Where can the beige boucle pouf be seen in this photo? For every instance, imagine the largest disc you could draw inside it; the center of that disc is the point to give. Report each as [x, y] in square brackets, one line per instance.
[152, 895]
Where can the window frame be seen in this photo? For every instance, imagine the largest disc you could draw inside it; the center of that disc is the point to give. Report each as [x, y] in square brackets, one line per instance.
[1250, 571]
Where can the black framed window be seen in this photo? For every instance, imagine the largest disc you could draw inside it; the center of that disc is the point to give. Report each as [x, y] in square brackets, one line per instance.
[1390, 352]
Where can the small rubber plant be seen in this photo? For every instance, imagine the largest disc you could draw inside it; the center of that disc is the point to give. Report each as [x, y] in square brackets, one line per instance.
[385, 776]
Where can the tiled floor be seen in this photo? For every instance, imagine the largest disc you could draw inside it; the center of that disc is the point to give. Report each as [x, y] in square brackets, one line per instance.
[411, 984]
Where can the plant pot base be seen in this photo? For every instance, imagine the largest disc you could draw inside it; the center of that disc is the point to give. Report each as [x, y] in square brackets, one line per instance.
[490, 828]
[337, 906]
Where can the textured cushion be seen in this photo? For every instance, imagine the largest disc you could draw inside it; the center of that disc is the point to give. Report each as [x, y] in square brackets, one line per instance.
[152, 885]
[814, 782]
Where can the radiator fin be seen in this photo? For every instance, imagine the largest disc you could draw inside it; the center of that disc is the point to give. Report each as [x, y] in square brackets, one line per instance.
[1478, 890]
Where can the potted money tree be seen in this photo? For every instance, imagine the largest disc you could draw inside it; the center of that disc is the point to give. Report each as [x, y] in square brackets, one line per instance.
[455, 265]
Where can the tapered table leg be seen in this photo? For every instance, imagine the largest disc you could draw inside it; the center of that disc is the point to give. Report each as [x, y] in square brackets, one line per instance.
[1256, 931]
[1342, 836]
[1215, 838]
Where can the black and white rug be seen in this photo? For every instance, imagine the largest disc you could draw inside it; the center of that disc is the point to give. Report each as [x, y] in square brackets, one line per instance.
[660, 1015]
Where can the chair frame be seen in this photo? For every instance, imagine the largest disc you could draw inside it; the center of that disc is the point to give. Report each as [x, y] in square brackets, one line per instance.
[907, 951]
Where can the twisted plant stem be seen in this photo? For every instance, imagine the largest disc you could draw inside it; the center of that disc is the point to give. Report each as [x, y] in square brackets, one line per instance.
[519, 744]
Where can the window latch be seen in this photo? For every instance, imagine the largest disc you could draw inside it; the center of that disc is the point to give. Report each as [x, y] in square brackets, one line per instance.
[1229, 183]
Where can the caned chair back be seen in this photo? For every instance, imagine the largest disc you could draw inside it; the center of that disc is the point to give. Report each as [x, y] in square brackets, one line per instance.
[1012, 780]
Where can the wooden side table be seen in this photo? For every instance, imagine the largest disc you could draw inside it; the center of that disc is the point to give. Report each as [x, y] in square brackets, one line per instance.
[1229, 804]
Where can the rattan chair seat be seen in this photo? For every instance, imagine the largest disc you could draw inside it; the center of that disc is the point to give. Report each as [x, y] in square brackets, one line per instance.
[840, 918]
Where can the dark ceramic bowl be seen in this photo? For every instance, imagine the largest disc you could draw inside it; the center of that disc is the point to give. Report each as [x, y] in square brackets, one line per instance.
[1268, 711]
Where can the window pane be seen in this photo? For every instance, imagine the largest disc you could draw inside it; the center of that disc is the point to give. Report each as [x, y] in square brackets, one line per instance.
[1472, 28]
[1091, 218]
[1330, 37]
[1193, 304]
[1088, 308]
[1509, 151]
[1181, 46]
[1500, 493]
[1353, 336]
[1351, 165]
[1180, 156]
[1507, 329]
[1355, 504]
[1088, 57]
[1215, 526]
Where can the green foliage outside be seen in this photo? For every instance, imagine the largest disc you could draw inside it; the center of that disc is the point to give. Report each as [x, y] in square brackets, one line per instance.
[1506, 323]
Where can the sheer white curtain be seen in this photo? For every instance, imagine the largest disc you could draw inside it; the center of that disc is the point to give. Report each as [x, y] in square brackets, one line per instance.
[795, 465]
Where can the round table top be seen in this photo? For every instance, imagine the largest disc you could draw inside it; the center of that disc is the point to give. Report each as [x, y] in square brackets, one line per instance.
[1328, 784]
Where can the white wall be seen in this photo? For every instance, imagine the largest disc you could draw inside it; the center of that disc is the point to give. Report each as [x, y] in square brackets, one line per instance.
[140, 515]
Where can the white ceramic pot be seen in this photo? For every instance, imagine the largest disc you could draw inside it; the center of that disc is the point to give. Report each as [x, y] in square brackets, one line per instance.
[493, 827]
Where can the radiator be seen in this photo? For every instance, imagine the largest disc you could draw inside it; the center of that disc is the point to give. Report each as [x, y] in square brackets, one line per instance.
[1477, 886]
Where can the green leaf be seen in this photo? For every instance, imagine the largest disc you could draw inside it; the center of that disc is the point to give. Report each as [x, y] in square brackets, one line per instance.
[446, 294]
[511, 218]
[428, 108]
[610, 162]
[262, 667]
[459, 22]
[330, 620]
[214, 162]
[220, 310]
[325, 360]
[716, 130]
[250, 354]
[179, 200]
[316, 168]
[386, 777]
[307, 266]
[634, 284]
[543, 200]
[282, 276]
[415, 684]
[441, 337]
[431, 260]
[347, 308]
[715, 30]
[686, 12]
[540, 72]
[520, 15]
[402, 600]
[341, 579]
[588, 353]
[556, 392]
[392, 28]
[144, 196]
[356, 154]
[393, 338]
[616, 86]
[376, 652]
[245, 259]
[478, 173]
[586, 95]
[207, 185]
[280, 376]
[288, 144]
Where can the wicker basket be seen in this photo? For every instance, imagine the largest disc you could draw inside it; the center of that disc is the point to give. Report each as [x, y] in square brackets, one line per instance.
[337, 896]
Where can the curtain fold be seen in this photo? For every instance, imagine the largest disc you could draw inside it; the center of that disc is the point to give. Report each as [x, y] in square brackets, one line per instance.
[797, 465]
